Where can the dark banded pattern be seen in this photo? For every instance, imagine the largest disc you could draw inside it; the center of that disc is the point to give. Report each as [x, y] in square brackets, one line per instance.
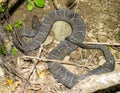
[75, 40]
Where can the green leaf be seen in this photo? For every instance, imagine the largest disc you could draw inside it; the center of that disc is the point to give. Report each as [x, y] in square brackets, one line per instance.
[9, 27]
[39, 3]
[28, 1]
[118, 36]
[13, 51]
[18, 24]
[30, 6]
[2, 8]
[3, 49]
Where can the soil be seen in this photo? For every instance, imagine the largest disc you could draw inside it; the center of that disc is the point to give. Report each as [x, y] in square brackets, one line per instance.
[102, 25]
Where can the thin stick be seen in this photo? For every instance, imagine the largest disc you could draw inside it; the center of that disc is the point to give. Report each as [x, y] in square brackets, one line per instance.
[34, 68]
[103, 43]
[118, 62]
[40, 50]
[75, 2]
[55, 3]
[47, 60]
[90, 59]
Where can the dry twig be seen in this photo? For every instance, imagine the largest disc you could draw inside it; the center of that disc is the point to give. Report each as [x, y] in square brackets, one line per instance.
[47, 60]
[102, 43]
[101, 81]
[56, 5]
[34, 68]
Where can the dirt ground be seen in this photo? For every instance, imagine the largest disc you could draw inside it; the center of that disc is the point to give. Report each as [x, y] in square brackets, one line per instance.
[101, 18]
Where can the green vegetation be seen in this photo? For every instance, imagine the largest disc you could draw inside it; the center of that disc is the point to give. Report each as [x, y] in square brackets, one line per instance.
[118, 36]
[39, 3]
[18, 24]
[3, 49]
[2, 7]
[13, 51]
[31, 4]
[10, 27]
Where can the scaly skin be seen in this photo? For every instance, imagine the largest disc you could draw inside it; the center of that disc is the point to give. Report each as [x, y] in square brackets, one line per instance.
[75, 40]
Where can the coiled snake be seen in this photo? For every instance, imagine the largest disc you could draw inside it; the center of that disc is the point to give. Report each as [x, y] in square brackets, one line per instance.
[75, 40]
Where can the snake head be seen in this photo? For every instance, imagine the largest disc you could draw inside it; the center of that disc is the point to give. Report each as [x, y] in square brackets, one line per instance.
[35, 23]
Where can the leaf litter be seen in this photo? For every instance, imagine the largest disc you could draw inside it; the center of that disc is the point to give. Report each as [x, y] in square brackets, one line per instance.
[96, 15]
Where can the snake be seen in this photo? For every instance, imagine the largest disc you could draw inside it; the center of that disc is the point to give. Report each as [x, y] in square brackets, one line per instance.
[71, 43]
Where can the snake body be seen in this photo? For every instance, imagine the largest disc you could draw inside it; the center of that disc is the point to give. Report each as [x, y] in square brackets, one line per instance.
[75, 40]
